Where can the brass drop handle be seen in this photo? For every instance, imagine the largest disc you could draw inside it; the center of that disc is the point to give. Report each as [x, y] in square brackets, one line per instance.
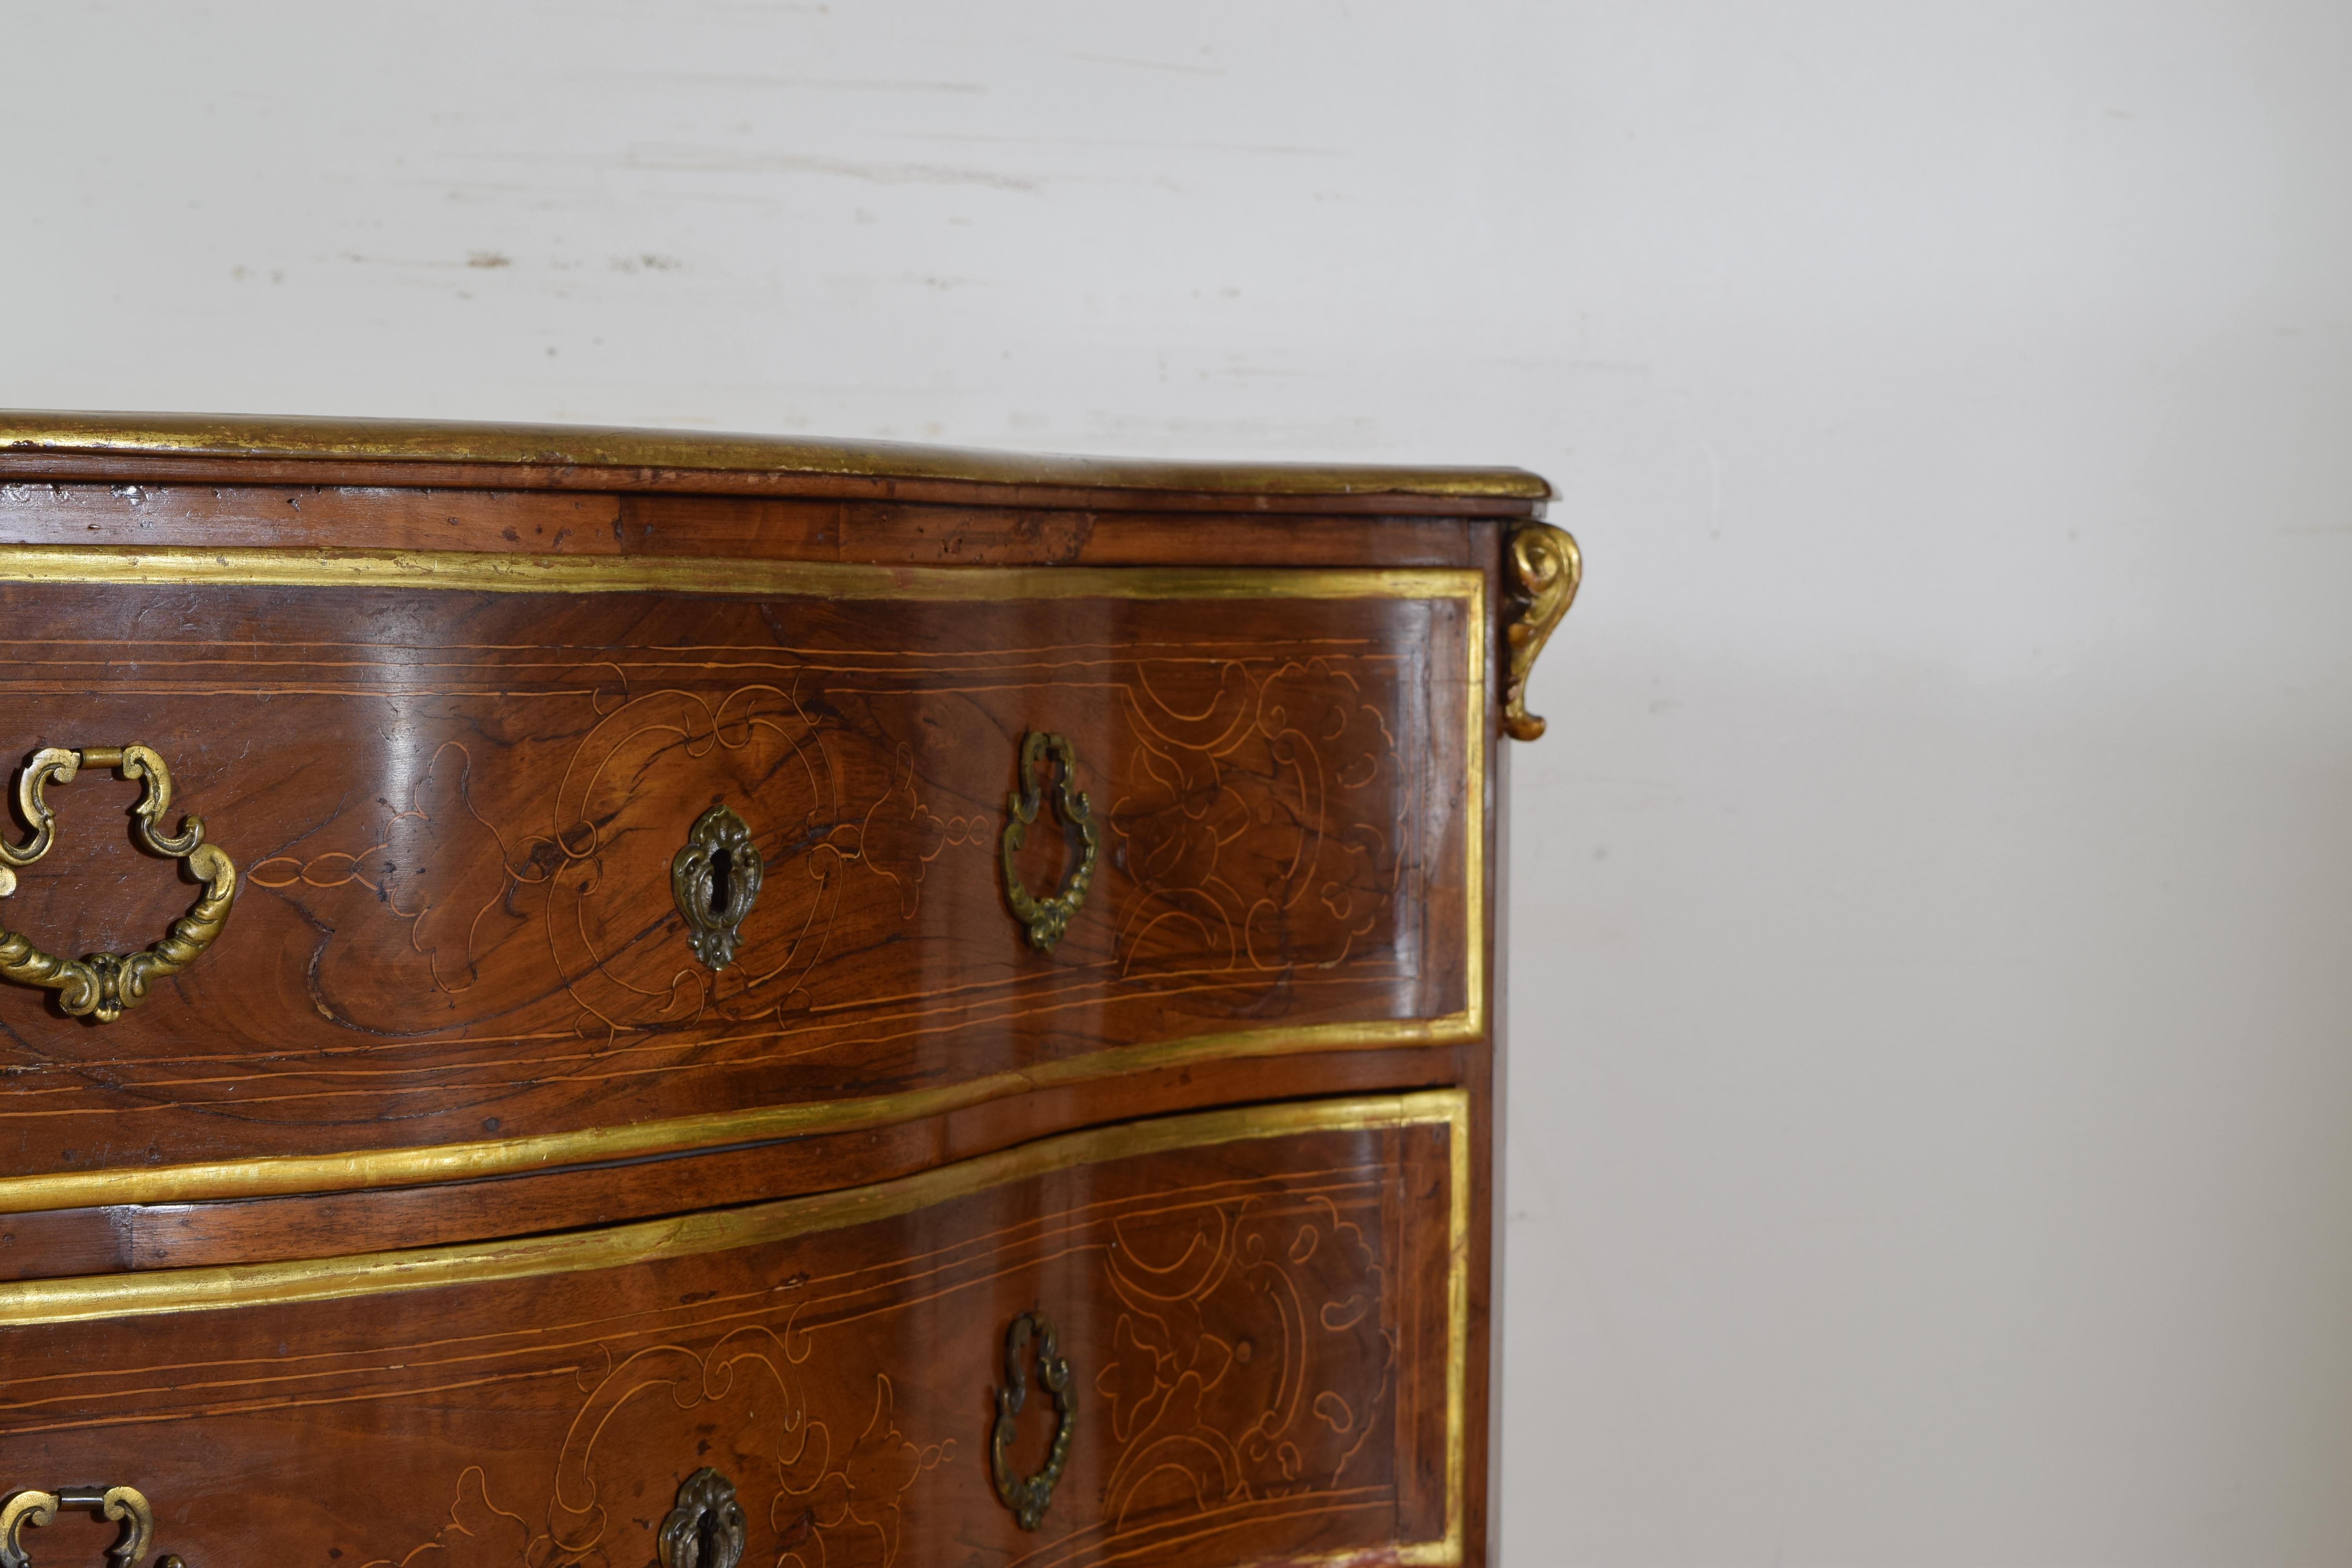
[1029, 1498]
[1047, 918]
[105, 985]
[122, 1503]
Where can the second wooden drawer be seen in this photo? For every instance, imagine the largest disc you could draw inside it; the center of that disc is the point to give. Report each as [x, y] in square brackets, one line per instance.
[1261, 1313]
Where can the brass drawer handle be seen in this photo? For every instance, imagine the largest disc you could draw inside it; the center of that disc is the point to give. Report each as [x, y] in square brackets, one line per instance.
[122, 1503]
[105, 985]
[1028, 1498]
[1047, 918]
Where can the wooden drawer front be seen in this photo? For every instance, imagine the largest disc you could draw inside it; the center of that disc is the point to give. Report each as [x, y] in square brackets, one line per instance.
[455, 813]
[1263, 1310]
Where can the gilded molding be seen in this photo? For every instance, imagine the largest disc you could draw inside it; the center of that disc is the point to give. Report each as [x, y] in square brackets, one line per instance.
[458, 571]
[631, 452]
[146, 1293]
[1545, 568]
[277, 1174]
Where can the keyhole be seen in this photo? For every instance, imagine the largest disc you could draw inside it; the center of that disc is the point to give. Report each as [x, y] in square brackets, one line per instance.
[722, 864]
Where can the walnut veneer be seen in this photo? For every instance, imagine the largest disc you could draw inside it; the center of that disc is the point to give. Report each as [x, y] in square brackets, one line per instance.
[642, 1105]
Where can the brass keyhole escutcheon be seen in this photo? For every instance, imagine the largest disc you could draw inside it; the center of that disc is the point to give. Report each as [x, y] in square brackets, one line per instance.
[1047, 919]
[706, 1529]
[715, 879]
[1029, 1497]
[105, 985]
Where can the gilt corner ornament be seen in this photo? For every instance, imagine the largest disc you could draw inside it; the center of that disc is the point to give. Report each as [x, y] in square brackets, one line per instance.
[1545, 569]
[715, 879]
[105, 985]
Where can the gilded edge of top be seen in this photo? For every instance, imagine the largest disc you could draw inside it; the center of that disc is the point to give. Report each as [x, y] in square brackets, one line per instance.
[292, 439]
[228, 1286]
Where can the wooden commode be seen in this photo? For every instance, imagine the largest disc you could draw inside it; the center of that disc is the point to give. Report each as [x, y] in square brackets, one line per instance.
[611, 998]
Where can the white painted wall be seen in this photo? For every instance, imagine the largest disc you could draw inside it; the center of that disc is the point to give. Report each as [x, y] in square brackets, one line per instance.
[1931, 910]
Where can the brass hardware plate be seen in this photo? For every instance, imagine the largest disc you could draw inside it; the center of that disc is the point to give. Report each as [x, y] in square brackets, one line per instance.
[105, 985]
[707, 1528]
[1545, 568]
[1047, 919]
[1028, 1498]
[123, 1504]
[715, 879]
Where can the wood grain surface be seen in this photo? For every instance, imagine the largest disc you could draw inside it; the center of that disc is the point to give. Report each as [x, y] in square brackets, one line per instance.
[802, 528]
[60, 1243]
